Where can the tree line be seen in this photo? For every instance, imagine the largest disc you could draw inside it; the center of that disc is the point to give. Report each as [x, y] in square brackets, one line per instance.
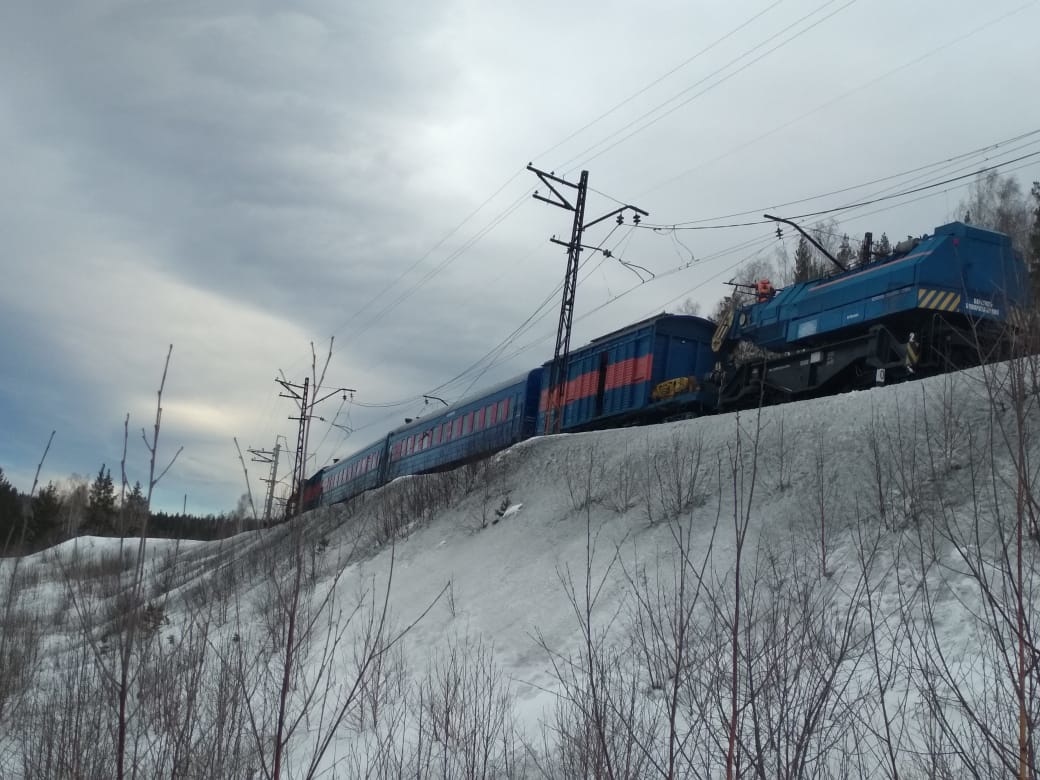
[57, 512]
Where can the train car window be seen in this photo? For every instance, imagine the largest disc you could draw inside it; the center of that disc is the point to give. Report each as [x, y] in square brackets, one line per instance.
[491, 410]
[478, 420]
[503, 409]
[457, 430]
[437, 435]
[467, 423]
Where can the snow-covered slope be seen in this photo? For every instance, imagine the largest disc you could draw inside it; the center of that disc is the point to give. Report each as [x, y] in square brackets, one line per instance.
[816, 589]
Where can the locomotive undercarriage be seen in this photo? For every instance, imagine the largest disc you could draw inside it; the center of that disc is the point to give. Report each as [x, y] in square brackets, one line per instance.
[878, 356]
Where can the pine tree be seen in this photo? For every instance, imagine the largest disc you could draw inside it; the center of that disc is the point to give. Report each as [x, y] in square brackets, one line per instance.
[884, 246]
[845, 254]
[46, 515]
[11, 517]
[134, 511]
[803, 261]
[101, 504]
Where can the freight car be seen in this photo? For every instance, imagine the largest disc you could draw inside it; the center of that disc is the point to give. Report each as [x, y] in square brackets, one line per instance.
[643, 373]
[936, 303]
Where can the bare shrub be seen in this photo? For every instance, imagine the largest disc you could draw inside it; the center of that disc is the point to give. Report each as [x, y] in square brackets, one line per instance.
[19, 655]
[582, 473]
[466, 726]
[676, 471]
[783, 457]
[664, 626]
[63, 730]
[823, 499]
[590, 733]
[623, 491]
[383, 687]
[980, 685]
[897, 473]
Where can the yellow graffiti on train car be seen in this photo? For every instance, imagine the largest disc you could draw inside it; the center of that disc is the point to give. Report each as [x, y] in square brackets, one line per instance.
[670, 388]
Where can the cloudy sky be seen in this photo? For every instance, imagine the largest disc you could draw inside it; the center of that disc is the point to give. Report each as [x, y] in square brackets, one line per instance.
[241, 179]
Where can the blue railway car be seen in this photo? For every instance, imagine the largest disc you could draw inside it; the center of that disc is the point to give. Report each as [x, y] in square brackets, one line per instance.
[650, 370]
[469, 429]
[355, 474]
[959, 270]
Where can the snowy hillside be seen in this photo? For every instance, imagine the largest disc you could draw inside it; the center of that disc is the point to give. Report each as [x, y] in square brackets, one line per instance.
[825, 589]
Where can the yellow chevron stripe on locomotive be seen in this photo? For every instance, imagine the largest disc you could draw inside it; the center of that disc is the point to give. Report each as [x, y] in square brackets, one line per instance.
[940, 300]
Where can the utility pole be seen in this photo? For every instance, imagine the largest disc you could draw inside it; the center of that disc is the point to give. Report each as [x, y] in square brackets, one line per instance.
[306, 403]
[558, 371]
[264, 456]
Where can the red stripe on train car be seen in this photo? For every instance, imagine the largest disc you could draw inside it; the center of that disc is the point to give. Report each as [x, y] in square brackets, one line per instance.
[629, 372]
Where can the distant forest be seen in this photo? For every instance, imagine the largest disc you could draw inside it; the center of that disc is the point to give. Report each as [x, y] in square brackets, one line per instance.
[79, 507]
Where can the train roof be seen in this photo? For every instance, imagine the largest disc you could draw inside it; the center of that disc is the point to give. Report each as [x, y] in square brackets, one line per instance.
[450, 410]
[653, 320]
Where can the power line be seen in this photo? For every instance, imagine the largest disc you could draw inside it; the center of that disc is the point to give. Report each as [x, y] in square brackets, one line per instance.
[938, 164]
[849, 206]
[658, 80]
[587, 159]
[909, 63]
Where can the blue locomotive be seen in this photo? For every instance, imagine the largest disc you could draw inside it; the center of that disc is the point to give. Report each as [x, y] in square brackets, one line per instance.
[934, 304]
